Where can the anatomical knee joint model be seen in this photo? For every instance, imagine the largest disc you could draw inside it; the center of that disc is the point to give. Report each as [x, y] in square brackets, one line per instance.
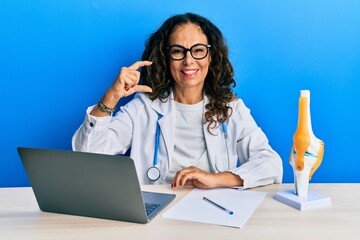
[307, 150]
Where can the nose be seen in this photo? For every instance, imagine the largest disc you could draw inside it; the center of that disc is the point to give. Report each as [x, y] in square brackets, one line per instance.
[188, 58]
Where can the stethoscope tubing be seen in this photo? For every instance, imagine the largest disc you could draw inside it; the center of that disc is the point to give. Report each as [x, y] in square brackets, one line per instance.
[157, 140]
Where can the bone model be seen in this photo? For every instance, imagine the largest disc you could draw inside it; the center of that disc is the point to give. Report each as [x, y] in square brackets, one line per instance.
[307, 150]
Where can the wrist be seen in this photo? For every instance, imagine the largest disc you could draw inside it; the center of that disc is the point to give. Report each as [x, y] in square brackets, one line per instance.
[228, 179]
[106, 105]
[103, 108]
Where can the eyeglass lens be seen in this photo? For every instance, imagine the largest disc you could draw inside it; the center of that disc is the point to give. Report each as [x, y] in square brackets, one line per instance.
[198, 51]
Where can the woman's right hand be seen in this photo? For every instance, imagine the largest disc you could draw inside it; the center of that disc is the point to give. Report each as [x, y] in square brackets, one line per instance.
[128, 80]
[126, 83]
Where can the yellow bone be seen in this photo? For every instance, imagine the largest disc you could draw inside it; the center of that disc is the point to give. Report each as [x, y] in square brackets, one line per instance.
[318, 160]
[302, 135]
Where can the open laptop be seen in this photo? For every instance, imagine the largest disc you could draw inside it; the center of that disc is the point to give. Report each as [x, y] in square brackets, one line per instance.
[91, 185]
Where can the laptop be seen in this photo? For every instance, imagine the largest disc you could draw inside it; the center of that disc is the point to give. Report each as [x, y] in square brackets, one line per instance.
[90, 185]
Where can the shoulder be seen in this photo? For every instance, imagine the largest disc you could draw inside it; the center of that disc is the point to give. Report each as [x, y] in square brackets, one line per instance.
[239, 109]
[238, 105]
[137, 104]
[140, 99]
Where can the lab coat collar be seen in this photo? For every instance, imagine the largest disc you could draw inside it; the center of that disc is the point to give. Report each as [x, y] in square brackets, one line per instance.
[161, 108]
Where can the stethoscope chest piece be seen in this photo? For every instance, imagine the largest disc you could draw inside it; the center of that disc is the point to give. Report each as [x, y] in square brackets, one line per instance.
[153, 173]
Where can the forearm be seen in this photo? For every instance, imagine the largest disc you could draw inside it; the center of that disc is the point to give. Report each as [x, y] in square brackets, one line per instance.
[88, 138]
[227, 179]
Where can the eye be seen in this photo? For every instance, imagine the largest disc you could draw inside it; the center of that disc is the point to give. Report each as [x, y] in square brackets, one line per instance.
[199, 50]
[176, 51]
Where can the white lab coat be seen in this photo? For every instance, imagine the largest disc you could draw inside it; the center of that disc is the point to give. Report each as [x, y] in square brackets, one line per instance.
[134, 125]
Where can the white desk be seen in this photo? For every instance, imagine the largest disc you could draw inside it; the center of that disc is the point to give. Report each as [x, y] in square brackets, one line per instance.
[20, 218]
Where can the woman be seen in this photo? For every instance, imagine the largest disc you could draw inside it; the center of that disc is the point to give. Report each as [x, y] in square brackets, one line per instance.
[185, 126]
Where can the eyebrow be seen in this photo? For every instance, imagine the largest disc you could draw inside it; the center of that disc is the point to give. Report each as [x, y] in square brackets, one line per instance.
[186, 47]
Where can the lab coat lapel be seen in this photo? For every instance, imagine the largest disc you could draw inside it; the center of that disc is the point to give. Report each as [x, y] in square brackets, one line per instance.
[212, 140]
[167, 127]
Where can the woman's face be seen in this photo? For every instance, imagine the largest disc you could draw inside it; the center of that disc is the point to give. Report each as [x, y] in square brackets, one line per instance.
[189, 73]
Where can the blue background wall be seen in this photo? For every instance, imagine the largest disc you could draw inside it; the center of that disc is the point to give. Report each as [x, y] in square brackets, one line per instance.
[58, 57]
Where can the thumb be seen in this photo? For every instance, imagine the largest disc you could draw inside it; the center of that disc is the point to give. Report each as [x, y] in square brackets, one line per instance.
[142, 88]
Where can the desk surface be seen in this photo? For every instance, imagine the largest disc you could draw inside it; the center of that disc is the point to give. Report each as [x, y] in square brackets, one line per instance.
[20, 218]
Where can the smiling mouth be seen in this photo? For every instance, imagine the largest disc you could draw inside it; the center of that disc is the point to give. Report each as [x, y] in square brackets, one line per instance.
[189, 72]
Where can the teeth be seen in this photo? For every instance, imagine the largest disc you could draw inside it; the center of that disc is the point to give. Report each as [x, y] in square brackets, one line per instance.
[190, 72]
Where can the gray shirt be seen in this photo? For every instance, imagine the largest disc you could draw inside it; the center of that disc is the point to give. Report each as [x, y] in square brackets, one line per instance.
[189, 144]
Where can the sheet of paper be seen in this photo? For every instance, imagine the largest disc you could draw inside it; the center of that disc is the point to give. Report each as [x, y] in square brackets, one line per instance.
[193, 208]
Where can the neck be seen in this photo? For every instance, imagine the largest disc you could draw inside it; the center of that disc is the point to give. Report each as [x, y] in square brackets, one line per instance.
[188, 97]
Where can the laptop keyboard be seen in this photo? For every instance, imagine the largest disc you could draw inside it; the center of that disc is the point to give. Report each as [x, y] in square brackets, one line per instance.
[150, 207]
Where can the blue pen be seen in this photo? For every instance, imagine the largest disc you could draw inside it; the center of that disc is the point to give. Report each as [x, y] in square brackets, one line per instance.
[218, 206]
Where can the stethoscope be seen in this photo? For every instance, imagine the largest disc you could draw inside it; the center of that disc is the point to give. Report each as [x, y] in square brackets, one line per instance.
[153, 173]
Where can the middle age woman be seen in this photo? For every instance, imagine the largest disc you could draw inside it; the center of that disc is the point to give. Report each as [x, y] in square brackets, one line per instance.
[184, 126]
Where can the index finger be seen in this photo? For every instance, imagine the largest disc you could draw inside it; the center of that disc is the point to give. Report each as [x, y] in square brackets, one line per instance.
[140, 64]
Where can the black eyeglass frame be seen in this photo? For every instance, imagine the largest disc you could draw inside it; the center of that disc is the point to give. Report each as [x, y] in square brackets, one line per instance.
[208, 46]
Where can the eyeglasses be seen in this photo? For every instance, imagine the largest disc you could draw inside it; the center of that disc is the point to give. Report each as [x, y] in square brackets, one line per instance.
[198, 51]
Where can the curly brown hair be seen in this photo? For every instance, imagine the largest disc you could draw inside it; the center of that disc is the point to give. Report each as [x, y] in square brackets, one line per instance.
[219, 80]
